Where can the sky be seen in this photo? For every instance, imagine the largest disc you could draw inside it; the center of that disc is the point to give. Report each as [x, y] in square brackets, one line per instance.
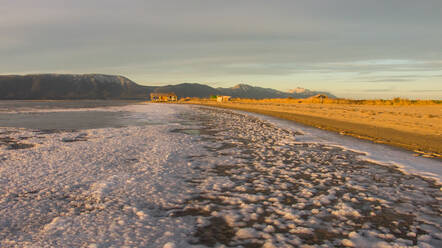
[351, 48]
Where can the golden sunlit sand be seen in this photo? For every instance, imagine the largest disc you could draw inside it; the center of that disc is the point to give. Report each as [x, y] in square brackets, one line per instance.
[414, 125]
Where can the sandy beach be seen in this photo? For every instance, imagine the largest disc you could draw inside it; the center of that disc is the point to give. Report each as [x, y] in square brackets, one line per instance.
[414, 127]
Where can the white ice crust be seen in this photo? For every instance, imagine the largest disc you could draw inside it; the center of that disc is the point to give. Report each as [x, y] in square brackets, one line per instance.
[120, 187]
[378, 153]
[114, 190]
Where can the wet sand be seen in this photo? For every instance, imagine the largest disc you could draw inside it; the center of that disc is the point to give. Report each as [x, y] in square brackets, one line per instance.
[416, 128]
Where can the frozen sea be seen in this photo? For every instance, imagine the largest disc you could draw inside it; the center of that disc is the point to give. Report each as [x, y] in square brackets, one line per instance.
[124, 174]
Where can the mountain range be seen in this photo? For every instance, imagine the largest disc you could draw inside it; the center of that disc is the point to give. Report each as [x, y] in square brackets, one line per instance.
[99, 86]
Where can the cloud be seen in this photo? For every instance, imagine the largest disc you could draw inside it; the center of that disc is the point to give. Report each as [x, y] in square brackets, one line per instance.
[390, 80]
[396, 78]
[428, 91]
[380, 90]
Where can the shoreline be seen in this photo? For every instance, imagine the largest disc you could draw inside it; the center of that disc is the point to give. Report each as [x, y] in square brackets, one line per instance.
[421, 144]
[206, 168]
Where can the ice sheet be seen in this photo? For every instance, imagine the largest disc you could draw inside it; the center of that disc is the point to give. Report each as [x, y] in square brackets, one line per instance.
[207, 177]
[98, 187]
[380, 153]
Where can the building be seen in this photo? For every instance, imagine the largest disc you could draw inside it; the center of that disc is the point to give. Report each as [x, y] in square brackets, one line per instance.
[320, 97]
[163, 97]
[223, 98]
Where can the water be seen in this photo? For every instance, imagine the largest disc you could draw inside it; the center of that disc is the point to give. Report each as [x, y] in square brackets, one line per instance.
[66, 114]
[22, 106]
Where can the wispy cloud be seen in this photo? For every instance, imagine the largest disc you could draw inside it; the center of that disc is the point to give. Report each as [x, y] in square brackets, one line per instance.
[381, 90]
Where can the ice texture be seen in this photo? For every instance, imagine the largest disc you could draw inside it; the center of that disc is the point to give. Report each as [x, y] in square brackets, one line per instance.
[114, 187]
[262, 185]
[198, 177]
[404, 160]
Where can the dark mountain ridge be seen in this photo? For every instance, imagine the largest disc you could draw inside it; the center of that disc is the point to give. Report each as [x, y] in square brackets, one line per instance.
[67, 86]
[100, 86]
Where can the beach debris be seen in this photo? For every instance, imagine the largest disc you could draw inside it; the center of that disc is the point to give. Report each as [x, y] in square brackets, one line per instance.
[79, 137]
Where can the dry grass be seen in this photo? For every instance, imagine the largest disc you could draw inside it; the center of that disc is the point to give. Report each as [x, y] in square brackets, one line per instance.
[395, 101]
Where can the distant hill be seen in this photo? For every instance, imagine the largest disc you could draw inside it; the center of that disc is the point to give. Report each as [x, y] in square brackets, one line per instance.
[99, 86]
[299, 90]
[239, 91]
[189, 90]
[66, 86]
[247, 91]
